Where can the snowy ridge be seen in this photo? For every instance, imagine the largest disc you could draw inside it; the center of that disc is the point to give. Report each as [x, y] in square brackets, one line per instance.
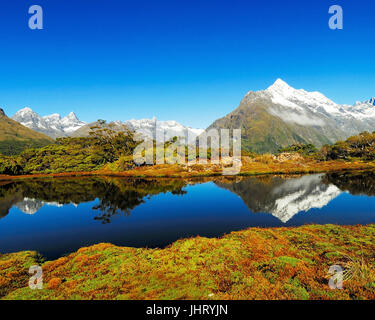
[282, 93]
[314, 109]
[55, 126]
[298, 106]
[52, 125]
[150, 128]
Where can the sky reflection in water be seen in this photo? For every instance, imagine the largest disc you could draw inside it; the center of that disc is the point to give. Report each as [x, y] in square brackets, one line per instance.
[58, 216]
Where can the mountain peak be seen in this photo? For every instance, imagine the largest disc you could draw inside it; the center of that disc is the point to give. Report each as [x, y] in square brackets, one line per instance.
[72, 116]
[25, 110]
[2, 113]
[26, 113]
[52, 125]
[279, 84]
[281, 88]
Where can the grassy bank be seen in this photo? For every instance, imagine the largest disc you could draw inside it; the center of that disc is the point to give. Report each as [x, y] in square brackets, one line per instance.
[261, 165]
[284, 263]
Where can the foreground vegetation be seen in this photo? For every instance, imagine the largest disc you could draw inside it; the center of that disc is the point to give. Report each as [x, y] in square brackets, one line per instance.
[252, 264]
[104, 146]
[109, 152]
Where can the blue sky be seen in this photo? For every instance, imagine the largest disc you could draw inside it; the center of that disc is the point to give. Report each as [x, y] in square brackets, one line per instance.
[186, 60]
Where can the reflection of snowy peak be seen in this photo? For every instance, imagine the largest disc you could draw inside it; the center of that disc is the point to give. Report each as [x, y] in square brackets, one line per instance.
[284, 198]
[52, 125]
[31, 206]
[303, 194]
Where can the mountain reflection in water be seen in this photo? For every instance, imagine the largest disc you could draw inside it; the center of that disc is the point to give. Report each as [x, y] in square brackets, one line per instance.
[284, 198]
[115, 195]
[281, 196]
[60, 215]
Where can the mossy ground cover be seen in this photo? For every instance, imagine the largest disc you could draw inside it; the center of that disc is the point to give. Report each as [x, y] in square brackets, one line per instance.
[284, 263]
[250, 167]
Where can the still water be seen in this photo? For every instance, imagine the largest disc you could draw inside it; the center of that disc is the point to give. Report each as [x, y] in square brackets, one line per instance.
[58, 216]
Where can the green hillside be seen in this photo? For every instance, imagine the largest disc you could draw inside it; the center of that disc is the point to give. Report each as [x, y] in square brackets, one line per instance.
[14, 137]
[263, 132]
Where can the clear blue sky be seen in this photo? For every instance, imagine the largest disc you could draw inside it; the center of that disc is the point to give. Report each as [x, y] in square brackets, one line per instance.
[186, 60]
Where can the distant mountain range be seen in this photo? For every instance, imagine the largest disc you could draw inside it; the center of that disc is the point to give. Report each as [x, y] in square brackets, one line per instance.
[281, 116]
[148, 128]
[270, 119]
[53, 125]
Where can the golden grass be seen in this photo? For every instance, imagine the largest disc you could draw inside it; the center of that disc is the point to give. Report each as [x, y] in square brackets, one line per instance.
[263, 164]
[282, 263]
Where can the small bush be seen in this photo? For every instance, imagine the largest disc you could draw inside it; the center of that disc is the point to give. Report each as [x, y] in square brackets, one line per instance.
[265, 158]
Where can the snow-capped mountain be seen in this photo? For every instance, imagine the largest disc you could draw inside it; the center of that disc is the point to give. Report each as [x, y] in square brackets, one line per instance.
[313, 108]
[270, 119]
[52, 125]
[150, 128]
[281, 115]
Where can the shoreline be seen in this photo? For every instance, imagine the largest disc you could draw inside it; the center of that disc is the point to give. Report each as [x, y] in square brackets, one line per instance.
[196, 171]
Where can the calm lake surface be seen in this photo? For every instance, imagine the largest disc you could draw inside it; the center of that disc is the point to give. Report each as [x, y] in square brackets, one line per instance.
[58, 216]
